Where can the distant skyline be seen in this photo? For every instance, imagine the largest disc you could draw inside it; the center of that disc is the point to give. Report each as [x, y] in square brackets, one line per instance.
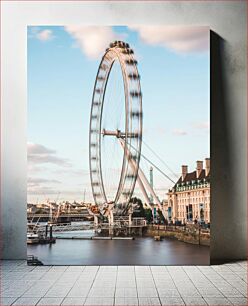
[62, 66]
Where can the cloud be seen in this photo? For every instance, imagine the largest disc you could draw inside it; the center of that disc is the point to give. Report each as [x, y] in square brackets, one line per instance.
[37, 186]
[204, 125]
[39, 154]
[44, 35]
[72, 172]
[179, 132]
[39, 149]
[34, 169]
[92, 40]
[155, 130]
[39, 181]
[41, 190]
[66, 194]
[182, 39]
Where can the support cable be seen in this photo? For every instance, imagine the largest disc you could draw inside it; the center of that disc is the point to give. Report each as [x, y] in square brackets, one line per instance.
[160, 158]
[164, 174]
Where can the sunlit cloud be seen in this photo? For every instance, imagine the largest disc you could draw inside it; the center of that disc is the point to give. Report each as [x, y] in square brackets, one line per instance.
[42, 35]
[92, 40]
[181, 39]
[45, 35]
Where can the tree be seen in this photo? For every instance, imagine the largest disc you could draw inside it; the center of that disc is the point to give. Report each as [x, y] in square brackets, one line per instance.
[161, 216]
[148, 215]
[139, 213]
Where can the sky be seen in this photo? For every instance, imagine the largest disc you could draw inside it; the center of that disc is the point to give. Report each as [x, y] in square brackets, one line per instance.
[62, 64]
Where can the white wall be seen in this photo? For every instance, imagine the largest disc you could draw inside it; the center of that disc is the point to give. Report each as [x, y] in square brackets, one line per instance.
[229, 97]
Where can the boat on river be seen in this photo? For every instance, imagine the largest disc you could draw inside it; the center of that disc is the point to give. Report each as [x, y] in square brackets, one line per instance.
[32, 238]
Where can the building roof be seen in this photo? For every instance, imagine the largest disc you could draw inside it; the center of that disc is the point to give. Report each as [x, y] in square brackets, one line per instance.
[192, 177]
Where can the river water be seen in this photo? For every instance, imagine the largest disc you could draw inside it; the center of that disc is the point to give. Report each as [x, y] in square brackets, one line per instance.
[141, 251]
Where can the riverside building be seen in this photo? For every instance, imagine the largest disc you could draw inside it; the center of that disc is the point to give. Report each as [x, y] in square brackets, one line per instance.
[189, 199]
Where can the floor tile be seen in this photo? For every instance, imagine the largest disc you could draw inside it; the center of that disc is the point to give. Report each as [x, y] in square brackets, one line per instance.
[50, 301]
[230, 292]
[242, 290]
[12, 293]
[75, 269]
[147, 292]
[7, 301]
[145, 283]
[102, 292]
[126, 275]
[91, 268]
[79, 291]
[239, 301]
[106, 275]
[210, 292]
[73, 301]
[167, 301]
[125, 283]
[165, 284]
[51, 276]
[58, 291]
[108, 268]
[58, 268]
[105, 284]
[194, 301]
[142, 268]
[217, 301]
[37, 291]
[149, 301]
[42, 268]
[125, 269]
[164, 292]
[126, 292]
[121, 301]
[99, 301]
[189, 293]
[27, 301]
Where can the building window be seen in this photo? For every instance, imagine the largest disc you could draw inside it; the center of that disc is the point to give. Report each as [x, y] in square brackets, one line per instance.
[189, 212]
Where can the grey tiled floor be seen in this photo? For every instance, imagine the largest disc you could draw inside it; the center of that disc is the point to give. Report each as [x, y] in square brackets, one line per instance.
[123, 285]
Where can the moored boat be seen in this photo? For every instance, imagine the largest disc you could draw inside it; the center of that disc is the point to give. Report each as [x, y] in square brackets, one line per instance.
[32, 238]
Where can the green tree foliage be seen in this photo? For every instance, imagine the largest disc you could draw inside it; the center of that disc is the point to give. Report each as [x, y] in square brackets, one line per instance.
[148, 215]
[161, 217]
[140, 211]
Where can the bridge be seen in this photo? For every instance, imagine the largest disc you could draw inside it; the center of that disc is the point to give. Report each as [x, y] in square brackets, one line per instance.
[122, 226]
[67, 215]
[64, 227]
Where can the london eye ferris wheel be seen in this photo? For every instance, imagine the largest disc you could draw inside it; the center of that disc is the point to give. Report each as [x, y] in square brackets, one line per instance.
[115, 133]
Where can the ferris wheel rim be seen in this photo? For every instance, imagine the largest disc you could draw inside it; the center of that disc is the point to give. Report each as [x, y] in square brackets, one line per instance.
[122, 60]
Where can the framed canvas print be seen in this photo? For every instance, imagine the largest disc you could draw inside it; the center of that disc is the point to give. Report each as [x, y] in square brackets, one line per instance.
[118, 145]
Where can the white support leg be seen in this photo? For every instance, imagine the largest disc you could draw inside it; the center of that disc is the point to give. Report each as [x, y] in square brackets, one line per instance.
[142, 180]
[95, 220]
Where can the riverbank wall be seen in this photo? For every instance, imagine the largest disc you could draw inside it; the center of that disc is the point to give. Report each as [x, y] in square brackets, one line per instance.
[190, 233]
